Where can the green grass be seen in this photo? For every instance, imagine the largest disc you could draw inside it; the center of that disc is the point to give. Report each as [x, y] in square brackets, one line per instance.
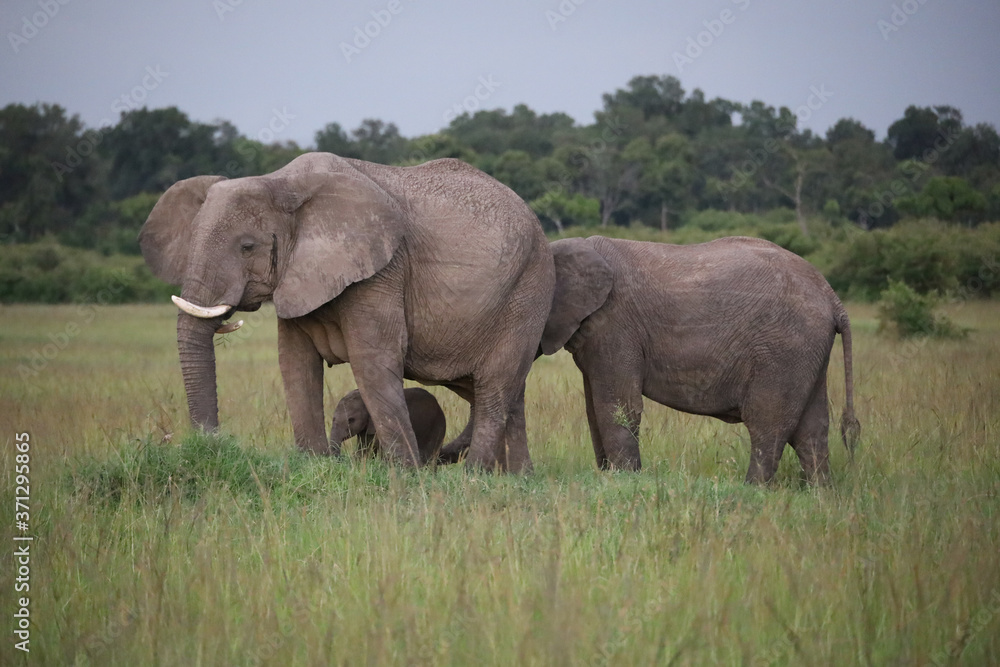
[157, 546]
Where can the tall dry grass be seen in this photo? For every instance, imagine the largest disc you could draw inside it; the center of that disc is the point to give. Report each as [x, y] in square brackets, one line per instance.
[258, 555]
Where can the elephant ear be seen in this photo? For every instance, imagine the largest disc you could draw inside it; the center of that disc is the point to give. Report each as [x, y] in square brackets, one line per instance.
[165, 238]
[346, 229]
[583, 282]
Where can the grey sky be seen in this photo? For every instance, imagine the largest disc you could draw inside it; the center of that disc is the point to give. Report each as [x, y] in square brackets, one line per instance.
[283, 65]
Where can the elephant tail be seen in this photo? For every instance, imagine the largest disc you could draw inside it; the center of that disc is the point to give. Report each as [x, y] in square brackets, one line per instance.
[850, 427]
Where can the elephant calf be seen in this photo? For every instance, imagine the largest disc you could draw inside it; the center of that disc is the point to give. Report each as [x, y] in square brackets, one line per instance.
[351, 418]
[738, 329]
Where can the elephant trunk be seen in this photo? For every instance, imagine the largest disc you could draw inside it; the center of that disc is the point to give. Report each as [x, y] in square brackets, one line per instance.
[196, 348]
[339, 432]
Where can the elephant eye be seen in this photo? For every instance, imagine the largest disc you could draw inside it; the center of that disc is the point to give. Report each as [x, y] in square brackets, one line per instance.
[246, 247]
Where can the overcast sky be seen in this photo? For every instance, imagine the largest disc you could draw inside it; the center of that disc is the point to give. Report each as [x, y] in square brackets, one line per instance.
[295, 66]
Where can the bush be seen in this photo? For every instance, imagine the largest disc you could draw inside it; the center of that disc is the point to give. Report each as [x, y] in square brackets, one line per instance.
[909, 314]
[712, 220]
[111, 227]
[927, 255]
[47, 272]
[202, 462]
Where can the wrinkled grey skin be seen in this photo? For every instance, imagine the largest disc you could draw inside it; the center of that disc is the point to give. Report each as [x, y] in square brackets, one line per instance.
[351, 418]
[738, 329]
[436, 273]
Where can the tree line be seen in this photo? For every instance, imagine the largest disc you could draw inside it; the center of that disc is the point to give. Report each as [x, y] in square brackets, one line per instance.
[654, 155]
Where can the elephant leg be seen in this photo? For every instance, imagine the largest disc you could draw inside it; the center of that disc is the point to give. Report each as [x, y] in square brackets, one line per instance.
[376, 342]
[765, 453]
[499, 441]
[770, 419]
[456, 449]
[811, 435]
[489, 424]
[302, 375]
[595, 430]
[382, 391]
[616, 403]
[516, 457]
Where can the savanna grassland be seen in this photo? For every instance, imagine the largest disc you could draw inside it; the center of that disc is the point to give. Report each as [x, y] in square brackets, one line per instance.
[153, 546]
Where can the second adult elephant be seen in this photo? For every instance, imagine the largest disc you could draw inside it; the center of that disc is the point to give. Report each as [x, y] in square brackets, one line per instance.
[739, 329]
[436, 273]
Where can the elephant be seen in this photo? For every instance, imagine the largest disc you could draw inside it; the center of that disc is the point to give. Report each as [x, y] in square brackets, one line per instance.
[738, 329]
[351, 418]
[436, 273]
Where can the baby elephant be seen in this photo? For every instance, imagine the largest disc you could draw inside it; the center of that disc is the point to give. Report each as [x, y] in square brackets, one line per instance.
[351, 418]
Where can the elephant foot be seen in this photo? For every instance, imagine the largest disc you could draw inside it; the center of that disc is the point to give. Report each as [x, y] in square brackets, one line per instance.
[454, 452]
[625, 465]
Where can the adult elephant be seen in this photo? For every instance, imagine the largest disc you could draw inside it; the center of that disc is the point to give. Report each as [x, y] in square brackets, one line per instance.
[738, 328]
[436, 273]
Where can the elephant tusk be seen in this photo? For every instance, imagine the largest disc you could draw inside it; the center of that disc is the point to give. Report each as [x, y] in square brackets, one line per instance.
[229, 328]
[200, 311]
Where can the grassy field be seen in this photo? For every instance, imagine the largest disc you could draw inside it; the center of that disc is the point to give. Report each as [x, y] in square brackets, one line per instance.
[156, 547]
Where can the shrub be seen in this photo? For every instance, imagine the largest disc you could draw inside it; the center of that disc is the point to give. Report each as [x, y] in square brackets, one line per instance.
[927, 255]
[712, 220]
[49, 273]
[909, 314]
[202, 462]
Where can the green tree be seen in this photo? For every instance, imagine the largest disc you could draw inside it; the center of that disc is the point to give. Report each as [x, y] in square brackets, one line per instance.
[112, 226]
[562, 209]
[150, 150]
[377, 141]
[494, 132]
[49, 170]
[517, 170]
[652, 95]
[922, 129]
[333, 139]
[861, 169]
[665, 175]
[434, 146]
[596, 169]
[699, 116]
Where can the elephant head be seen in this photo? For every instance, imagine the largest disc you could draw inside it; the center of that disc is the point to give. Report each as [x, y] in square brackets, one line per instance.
[350, 418]
[297, 236]
[583, 283]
